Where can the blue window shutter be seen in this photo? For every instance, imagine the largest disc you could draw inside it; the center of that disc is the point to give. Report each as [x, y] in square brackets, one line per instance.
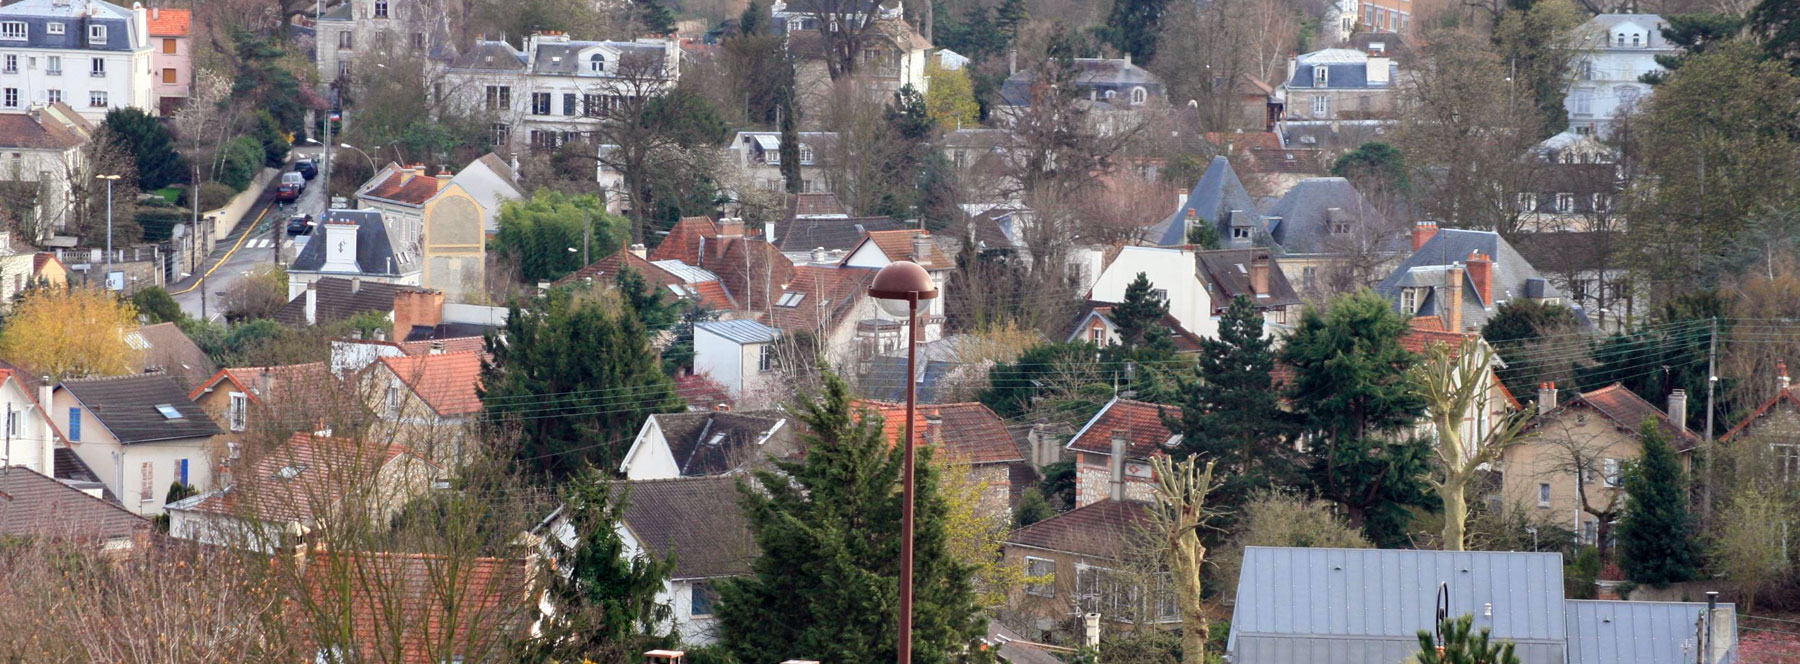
[75, 424]
[181, 471]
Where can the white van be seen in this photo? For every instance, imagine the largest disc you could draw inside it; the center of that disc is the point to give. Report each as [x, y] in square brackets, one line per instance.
[294, 178]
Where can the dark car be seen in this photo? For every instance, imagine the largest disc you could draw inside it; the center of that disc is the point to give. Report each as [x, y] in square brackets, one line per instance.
[287, 192]
[306, 168]
[300, 224]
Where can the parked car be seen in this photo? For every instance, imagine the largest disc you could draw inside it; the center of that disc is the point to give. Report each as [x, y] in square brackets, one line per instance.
[294, 178]
[287, 192]
[306, 168]
[300, 224]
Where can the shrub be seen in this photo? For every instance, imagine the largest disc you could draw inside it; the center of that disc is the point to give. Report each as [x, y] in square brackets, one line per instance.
[214, 195]
[271, 138]
[243, 158]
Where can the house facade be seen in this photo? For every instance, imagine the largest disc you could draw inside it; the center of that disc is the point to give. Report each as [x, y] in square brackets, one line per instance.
[442, 219]
[365, 31]
[1339, 84]
[43, 144]
[140, 434]
[1086, 558]
[1463, 276]
[758, 158]
[739, 354]
[426, 402]
[557, 89]
[1113, 450]
[93, 55]
[31, 440]
[892, 53]
[172, 57]
[1612, 52]
[360, 245]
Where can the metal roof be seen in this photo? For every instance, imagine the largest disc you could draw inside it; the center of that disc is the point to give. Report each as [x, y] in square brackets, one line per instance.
[740, 331]
[1366, 606]
[687, 273]
[1612, 632]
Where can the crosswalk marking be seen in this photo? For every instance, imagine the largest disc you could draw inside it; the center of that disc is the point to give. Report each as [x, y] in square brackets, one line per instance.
[260, 243]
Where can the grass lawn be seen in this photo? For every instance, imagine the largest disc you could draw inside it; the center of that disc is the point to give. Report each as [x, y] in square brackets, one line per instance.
[170, 194]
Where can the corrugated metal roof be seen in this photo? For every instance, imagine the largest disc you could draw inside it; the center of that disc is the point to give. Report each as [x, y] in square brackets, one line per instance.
[1611, 632]
[740, 331]
[687, 273]
[1366, 606]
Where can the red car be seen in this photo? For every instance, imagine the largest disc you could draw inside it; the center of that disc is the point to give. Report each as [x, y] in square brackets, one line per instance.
[287, 192]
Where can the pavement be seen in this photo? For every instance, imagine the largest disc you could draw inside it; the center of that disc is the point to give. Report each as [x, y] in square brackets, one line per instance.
[250, 247]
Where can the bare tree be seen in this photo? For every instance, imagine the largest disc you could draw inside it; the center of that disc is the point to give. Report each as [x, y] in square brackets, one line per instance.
[1582, 454]
[634, 139]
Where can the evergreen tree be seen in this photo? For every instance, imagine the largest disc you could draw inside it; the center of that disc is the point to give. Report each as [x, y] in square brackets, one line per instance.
[607, 599]
[825, 585]
[1462, 645]
[273, 140]
[575, 378]
[536, 233]
[1133, 28]
[1777, 24]
[1352, 394]
[1694, 34]
[1141, 310]
[1230, 411]
[1012, 15]
[1203, 235]
[149, 143]
[790, 130]
[754, 21]
[1527, 335]
[657, 18]
[1656, 544]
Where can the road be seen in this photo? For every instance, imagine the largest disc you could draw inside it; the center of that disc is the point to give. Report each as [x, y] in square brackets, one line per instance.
[250, 247]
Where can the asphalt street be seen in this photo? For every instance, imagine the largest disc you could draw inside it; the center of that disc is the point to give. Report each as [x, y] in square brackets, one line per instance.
[251, 246]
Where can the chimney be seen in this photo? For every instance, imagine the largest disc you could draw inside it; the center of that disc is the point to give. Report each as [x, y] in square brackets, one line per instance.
[380, 334]
[1481, 272]
[1012, 62]
[921, 248]
[312, 303]
[264, 381]
[1781, 377]
[1116, 466]
[1678, 409]
[340, 246]
[1453, 282]
[1293, 64]
[1181, 200]
[818, 255]
[731, 228]
[1090, 630]
[1422, 233]
[769, 231]
[722, 407]
[640, 251]
[1377, 69]
[934, 426]
[1188, 223]
[1259, 275]
[355, 285]
[1546, 400]
[437, 347]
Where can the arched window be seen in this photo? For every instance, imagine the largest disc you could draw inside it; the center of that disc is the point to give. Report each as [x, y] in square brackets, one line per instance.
[1634, 40]
[597, 63]
[806, 154]
[1139, 96]
[1112, 93]
[1621, 39]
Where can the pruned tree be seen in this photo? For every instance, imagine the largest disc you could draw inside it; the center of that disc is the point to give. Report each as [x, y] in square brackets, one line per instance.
[1180, 514]
[1453, 384]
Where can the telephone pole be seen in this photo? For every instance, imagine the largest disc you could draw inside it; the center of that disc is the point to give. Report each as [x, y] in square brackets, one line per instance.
[1712, 381]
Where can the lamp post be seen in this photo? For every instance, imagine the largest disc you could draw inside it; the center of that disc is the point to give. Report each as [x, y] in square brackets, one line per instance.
[110, 179]
[365, 155]
[898, 289]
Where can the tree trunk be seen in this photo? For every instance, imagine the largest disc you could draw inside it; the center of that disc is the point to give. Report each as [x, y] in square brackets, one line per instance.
[1456, 513]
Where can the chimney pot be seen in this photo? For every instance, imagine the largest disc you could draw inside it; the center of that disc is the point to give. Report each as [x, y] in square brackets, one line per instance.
[1678, 409]
[1781, 376]
[1546, 400]
[640, 251]
[312, 303]
[437, 348]
[1422, 233]
[1116, 464]
[921, 249]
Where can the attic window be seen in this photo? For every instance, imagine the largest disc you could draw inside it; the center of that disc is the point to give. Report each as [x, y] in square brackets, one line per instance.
[291, 472]
[1378, 47]
[168, 411]
[597, 63]
[1321, 76]
[1241, 270]
[716, 439]
[790, 299]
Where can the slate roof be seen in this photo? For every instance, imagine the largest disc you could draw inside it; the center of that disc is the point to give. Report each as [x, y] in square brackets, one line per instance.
[1140, 421]
[448, 383]
[717, 443]
[33, 504]
[168, 349]
[973, 433]
[169, 22]
[839, 233]
[1215, 195]
[299, 480]
[884, 377]
[827, 296]
[1301, 220]
[1185, 340]
[1366, 606]
[698, 519]
[1393, 46]
[421, 602]
[563, 58]
[120, 22]
[1227, 273]
[1348, 67]
[1424, 268]
[1570, 252]
[1101, 74]
[127, 406]
[490, 55]
[1597, 30]
[1104, 530]
[36, 130]
[374, 254]
[1616, 632]
[341, 298]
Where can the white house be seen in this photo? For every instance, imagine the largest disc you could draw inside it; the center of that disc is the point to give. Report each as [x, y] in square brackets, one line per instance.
[697, 444]
[93, 55]
[739, 354]
[30, 439]
[43, 144]
[557, 89]
[1612, 52]
[1173, 277]
[139, 433]
[361, 245]
[758, 158]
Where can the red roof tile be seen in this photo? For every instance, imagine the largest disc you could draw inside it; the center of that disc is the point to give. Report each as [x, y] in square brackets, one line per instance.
[166, 22]
[1628, 411]
[702, 392]
[608, 269]
[1141, 423]
[410, 187]
[898, 246]
[1419, 340]
[414, 608]
[447, 383]
[893, 419]
[973, 433]
[684, 240]
[301, 479]
[249, 380]
[753, 271]
[1104, 530]
[826, 295]
[1784, 395]
[712, 294]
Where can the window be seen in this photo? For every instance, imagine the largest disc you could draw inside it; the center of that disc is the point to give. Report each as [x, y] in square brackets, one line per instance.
[168, 411]
[168, 76]
[1600, 202]
[1040, 568]
[1240, 232]
[13, 30]
[806, 154]
[1609, 472]
[1544, 494]
[569, 103]
[12, 64]
[53, 64]
[237, 412]
[12, 97]
[597, 63]
[701, 599]
[1162, 294]
[593, 105]
[791, 299]
[418, 40]
[1582, 103]
[1787, 460]
[75, 424]
[1409, 300]
[1139, 95]
[393, 400]
[345, 40]
[1321, 76]
[1584, 70]
[12, 422]
[1321, 106]
[147, 481]
[1309, 276]
[54, 28]
[765, 361]
[540, 103]
[502, 134]
[381, 8]
[96, 34]
[97, 67]
[499, 97]
[771, 156]
[343, 69]
[181, 471]
[1634, 40]
[543, 140]
[1590, 530]
[1340, 228]
[168, 46]
[1565, 202]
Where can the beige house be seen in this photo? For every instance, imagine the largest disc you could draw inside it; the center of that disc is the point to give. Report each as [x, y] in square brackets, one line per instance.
[892, 55]
[1768, 441]
[1092, 558]
[425, 402]
[140, 434]
[442, 219]
[1569, 462]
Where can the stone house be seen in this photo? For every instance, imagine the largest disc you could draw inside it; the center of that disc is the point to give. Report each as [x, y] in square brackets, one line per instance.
[1113, 450]
[1092, 556]
[1767, 442]
[1612, 52]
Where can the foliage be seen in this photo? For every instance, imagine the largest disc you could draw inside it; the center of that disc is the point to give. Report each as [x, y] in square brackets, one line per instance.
[537, 233]
[71, 333]
[1140, 311]
[1204, 235]
[589, 364]
[213, 195]
[1529, 335]
[1453, 383]
[1777, 23]
[1353, 394]
[1134, 28]
[255, 297]
[657, 17]
[1580, 573]
[1747, 551]
[1283, 517]
[1040, 371]
[1461, 646]
[1231, 411]
[240, 161]
[1677, 339]
[824, 586]
[1058, 484]
[1180, 513]
[263, 82]
[951, 98]
[975, 531]
[1536, 43]
[145, 137]
[790, 130]
[1032, 508]
[156, 306]
[269, 135]
[1693, 34]
[1374, 162]
[606, 597]
[1656, 542]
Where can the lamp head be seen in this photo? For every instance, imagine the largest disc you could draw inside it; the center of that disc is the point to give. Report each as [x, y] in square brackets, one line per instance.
[899, 284]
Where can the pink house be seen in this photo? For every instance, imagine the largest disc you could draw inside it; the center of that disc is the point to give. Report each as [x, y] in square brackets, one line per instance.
[171, 57]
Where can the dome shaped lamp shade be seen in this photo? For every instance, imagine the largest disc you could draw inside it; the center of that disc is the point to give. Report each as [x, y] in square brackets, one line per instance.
[899, 285]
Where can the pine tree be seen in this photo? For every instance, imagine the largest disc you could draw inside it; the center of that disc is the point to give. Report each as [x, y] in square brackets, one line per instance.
[1230, 411]
[1012, 15]
[1134, 27]
[658, 18]
[790, 130]
[607, 598]
[1203, 235]
[150, 144]
[1141, 310]
[825, 586]
[1462, 645]
[1353, 395]
[576, 377]
[1655, 542]
[754, 21]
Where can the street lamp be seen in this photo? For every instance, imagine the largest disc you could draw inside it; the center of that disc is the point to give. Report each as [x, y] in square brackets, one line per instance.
[897, 289]
[110, 179]
[365, 155]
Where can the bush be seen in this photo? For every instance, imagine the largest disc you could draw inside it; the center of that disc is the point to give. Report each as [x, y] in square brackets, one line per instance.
[155, 305]
[271, 138]
[1580, 572]
[242, 160]
[213, 195]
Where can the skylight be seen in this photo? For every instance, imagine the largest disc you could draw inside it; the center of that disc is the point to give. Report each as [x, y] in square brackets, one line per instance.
[291, 472]
[790, 299]
[716, 439]
[168, 411]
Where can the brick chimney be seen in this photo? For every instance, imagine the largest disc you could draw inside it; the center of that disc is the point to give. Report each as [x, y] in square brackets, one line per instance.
[416, 308]
[1116, 466]
[1423, 232]
[1453, 304]
[1546, 400]
[1259, 274]
[1678, 409]
[731, 228]
[640, 251]
[1481, 272]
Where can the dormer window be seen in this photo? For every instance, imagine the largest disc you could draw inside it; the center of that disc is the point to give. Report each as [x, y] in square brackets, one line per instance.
[597, 63]
[806, 154]
[1240, 233]
[1634, 40]
[1620, 40]
[1139, 95]
[1409, 300]
[53, 28]
[14, 30]
[1321, 76]
[96, 34]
